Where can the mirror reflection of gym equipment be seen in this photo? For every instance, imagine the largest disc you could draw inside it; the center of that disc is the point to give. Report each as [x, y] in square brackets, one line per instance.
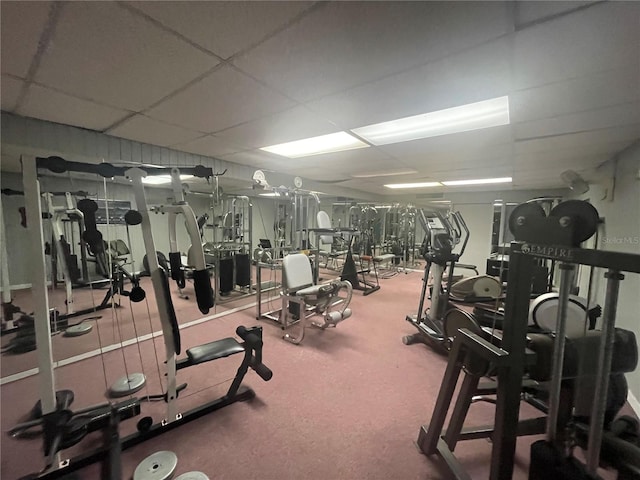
[420, 218]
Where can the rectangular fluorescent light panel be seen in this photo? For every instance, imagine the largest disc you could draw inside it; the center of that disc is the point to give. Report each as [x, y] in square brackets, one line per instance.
[162, 179]
[334, 142]
[414, 185]
[473, 116]
[477, 181]
[385, 173]
[271, 194]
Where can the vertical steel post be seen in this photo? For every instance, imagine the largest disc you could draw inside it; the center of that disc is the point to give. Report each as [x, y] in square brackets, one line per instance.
[604, 369]
[514, 341]
[566, 281]
[35, 240]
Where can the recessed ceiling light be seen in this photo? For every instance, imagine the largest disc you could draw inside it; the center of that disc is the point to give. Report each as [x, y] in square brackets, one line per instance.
[162, 179]
[473, 116]
[334, 142]
[385, 173]
[413, 185]
[477, 181]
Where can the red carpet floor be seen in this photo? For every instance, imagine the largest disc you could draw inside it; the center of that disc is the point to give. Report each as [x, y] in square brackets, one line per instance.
[346, 404]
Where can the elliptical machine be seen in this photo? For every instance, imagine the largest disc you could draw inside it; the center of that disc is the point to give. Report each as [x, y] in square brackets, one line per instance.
[441, 237]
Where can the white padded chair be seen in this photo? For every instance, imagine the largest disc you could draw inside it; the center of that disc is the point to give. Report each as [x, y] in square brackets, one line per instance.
[330, 300]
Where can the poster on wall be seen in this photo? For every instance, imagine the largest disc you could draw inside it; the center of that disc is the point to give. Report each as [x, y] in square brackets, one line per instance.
[116, 210]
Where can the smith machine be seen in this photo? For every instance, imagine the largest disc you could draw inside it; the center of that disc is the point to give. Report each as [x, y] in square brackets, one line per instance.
[512, 355]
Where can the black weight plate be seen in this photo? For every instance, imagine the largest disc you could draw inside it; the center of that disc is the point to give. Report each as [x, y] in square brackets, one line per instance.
[584, 217]
[456, 319]
[528, 209]
[133, 217]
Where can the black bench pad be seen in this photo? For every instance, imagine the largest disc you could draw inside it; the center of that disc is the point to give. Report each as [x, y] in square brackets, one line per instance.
[214, 350]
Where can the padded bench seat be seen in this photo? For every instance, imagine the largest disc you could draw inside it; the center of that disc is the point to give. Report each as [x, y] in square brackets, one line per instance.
[384, 257]
[212, 351]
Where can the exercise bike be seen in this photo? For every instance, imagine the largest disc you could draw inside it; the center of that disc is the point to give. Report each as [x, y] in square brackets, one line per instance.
[441, 237]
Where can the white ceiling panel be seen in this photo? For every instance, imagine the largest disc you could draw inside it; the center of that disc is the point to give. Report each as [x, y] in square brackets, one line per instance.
[531, 11]
[587, 140]
[600, 38]
[347, 43]
[294, 124]
[19, 38]
[147, 130]
[47, 104]
[223, 99]
[224, 28]
[350, 160]
[603, 89]
[252, 158]
[103, 52]
[477, 140]
[11, 88]
[477, 74]
[209, 145]
[620, 115]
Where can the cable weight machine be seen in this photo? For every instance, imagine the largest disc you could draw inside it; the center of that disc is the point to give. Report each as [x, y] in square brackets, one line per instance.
[537, 236]
[58, 421]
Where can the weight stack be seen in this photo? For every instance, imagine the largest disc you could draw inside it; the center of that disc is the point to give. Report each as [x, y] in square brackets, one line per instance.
[243, 269]
[226, 276]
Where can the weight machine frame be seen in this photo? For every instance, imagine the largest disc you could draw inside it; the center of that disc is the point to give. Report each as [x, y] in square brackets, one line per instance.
[510, 358]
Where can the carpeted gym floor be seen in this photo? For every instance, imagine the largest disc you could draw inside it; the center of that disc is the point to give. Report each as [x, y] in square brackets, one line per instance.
[346, 404]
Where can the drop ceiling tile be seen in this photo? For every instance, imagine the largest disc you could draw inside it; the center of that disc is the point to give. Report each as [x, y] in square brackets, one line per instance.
[568, 47]
[531, 11]
[148, 130]
[294, 124]
[103, 52]
[602, 89]
[617, 116]
[224, 28]
[344, 44]
[477, 74]
[47, 104]
[588, 140]
[223, 99]
[11, 88]
[477, 140]
[209, 145]
[253, 158]
[22, 25]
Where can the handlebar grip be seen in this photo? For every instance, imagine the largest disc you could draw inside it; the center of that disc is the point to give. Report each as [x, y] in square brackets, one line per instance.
[177, 273]
[204, 292]
[248, 336]
[263, 372]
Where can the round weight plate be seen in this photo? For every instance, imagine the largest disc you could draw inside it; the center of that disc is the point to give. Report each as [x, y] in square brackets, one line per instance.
[157, 466]
[584, 218]
[455, 319]
[77, 330]
[192, 476]
[543, 313]
[133, 217]
[487, 287]
[127, 385]
[528, 209]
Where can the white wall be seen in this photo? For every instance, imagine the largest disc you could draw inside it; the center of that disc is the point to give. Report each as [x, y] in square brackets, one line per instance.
[479, 218]
[621, 234]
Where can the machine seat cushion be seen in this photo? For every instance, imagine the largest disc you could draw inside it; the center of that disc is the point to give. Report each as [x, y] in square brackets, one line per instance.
[313, 290]
[384, 257]
[214, 350]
